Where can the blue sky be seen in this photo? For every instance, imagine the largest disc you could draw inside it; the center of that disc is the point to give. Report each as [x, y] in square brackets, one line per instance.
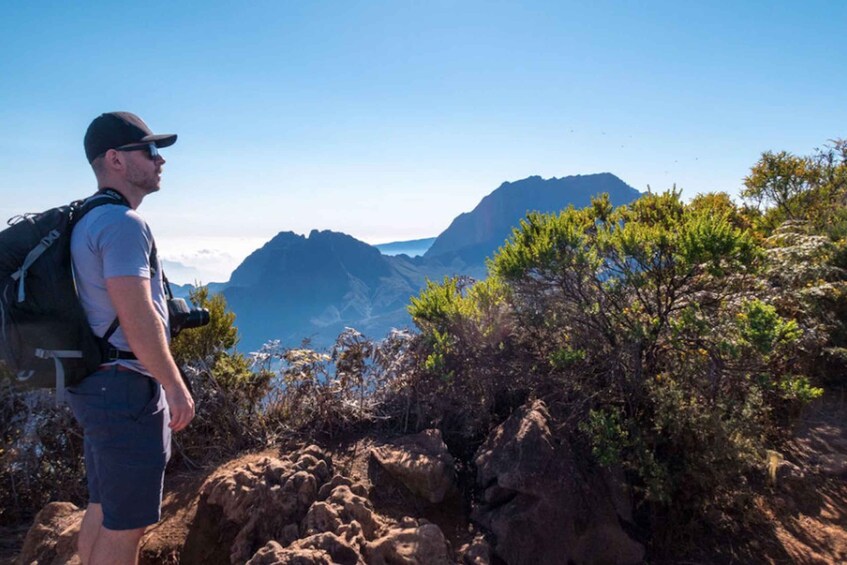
[385, 120]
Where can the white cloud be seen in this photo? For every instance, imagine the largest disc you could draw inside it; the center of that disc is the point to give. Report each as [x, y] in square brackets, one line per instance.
[205, 259]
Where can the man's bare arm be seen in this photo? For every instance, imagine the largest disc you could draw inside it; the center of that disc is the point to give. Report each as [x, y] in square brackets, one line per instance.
[146, 336]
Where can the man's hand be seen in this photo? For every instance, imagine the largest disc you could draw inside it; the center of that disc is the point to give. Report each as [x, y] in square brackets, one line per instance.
[180, 404]
[145, 333]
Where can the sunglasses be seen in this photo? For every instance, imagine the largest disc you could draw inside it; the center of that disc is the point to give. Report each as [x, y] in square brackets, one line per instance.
[150, 148]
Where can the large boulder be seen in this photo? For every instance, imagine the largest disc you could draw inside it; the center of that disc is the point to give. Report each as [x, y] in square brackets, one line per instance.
[421, 462]
[52, 538]
[292, 510]
[243, 508]
[539, 506]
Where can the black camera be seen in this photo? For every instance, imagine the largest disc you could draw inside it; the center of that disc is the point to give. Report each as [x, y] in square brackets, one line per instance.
[181, 317]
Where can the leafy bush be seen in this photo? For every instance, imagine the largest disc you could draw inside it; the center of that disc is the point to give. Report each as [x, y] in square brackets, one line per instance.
[663, 332]
[471, 371]
[787, 187]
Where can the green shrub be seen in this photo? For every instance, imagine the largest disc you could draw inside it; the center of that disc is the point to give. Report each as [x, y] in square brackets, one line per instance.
[648, 327]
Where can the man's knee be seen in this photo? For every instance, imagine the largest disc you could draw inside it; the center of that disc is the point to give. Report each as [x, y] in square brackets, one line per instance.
[118, 542]
[123, 536]
[94, 513]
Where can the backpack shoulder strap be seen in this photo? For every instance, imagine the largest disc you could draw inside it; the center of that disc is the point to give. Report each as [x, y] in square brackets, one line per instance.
[103, 196]
[81, 208]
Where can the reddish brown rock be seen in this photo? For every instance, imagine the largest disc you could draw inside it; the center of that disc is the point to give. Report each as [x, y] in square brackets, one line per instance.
[321, 517]
[538, 505]
[410, 543]
[421, 462]
[352, 507]
[339, 480]
[241, 509]
[317, 549]
[272, 553]
[52, 538]
[342, 551]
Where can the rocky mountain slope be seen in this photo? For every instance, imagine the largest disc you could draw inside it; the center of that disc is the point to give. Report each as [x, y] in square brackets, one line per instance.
[473, 236]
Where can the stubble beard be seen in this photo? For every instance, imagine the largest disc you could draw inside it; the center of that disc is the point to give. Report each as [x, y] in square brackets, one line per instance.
[145, 180]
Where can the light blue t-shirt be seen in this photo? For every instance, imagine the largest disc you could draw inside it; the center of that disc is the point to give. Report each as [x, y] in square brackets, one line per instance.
[114, 241]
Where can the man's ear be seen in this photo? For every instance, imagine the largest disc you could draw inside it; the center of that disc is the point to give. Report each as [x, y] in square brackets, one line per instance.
[113, 159]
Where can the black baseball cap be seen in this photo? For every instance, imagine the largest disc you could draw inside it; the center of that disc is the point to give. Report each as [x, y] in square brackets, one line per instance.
[117, 129]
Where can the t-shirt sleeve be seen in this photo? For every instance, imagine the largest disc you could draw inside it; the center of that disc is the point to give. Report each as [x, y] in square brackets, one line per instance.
[124, 243]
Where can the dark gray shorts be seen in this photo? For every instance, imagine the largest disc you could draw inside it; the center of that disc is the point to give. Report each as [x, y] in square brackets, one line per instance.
[125, 419]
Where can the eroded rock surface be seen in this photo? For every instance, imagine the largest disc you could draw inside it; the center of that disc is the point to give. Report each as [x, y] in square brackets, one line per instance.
[538, 506]
[295, 511]
[317, 549]
[274, 554]
[410, 542]
[52, 538]
[421, 462]
[248, 506]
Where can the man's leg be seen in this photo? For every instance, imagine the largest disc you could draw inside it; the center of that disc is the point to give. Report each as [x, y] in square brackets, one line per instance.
[92, 521]
[116, 547]
[83, 398]
[131, 453]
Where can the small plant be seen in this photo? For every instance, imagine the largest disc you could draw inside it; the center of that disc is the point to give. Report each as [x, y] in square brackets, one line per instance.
[799, 389]
[607, 436]
[763, 329]
[566, 357]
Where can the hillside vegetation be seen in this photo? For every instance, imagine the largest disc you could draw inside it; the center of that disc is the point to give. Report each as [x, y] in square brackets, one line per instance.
[673, 341]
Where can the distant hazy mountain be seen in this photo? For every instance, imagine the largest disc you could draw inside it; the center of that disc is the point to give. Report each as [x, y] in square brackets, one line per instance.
[297, 287]
[176, 271]
[473, 236]
[412, 248]
[184, 290]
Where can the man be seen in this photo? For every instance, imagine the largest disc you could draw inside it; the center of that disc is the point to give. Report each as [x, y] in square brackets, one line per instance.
[131, 404]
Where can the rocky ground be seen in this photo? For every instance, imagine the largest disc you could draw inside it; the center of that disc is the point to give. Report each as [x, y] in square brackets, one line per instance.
[374, 500]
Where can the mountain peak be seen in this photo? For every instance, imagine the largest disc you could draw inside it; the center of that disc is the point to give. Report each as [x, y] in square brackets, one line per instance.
[322, 250]
[474, 234]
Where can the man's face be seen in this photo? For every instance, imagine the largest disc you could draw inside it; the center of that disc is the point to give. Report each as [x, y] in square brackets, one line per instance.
[143, 171]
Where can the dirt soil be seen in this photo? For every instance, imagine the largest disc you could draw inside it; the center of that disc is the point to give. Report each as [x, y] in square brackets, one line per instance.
[809, 519]
[804, 522]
